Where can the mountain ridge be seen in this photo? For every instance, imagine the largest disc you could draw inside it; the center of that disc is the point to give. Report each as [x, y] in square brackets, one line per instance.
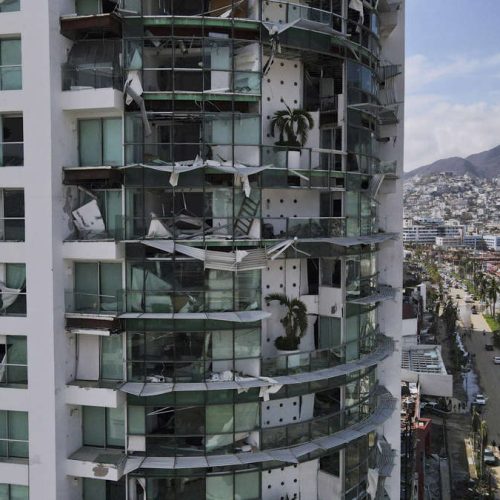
[485, 165]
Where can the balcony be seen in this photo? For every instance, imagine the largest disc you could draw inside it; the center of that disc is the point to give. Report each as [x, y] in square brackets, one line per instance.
[302, 16]
[106, 24]
[94, 393]
[314, 168]
[93, 64]
[107, 176]
[92, 314]
[222, 9]
[97, 463]
[94, 304]
[209, 229]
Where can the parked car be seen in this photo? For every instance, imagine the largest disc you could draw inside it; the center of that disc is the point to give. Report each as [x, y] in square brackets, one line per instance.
[489, 457]
[496, 360]
[480, 399]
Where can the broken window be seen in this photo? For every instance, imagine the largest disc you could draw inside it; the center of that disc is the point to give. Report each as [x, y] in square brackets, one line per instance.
[100, 142]
[93, 64]
[13, 289]
[10, 64]
[11, 215]
[11, 140]
[13, 361]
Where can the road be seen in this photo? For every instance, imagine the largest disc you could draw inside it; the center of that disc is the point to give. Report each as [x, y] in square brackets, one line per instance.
[489, 373]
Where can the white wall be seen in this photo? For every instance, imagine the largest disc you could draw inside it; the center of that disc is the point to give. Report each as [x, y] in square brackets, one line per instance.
[390, 255]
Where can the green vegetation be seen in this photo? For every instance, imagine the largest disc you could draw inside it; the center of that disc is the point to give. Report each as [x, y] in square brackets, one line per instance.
[493, 323]
[294, 322]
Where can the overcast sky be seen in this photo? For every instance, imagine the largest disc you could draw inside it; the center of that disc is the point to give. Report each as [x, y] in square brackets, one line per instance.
[452, 79]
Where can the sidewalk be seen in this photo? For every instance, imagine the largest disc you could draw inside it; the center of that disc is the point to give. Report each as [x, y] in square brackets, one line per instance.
[479, 323]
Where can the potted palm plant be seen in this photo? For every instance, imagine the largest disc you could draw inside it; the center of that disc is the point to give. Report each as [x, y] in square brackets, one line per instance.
[293, 127]
[295, 324]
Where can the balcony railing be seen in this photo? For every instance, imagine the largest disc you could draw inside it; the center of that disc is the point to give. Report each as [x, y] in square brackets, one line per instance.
[221, 9]
[82, 78]
[191, 301]
[304, 167]
[289, 364]
[362, 287]
[222, 228]
[91, 303]
[302, 432]
[289, 12]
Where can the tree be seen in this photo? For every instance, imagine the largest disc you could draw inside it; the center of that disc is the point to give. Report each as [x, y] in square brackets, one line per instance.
[493, 290]
[293, 126]
[294, 322]
[450, 315]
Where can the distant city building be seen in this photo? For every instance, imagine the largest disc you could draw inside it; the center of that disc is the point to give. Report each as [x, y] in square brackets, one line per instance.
[428, 232]
[449, 241]
[492, 241]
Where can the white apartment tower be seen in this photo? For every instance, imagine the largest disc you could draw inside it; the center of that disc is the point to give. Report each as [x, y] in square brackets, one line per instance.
[200, 249]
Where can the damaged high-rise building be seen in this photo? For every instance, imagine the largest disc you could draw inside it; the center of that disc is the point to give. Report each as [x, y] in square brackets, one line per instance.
[200, 251]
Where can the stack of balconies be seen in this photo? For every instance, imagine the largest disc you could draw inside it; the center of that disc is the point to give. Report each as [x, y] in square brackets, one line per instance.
[173, 246]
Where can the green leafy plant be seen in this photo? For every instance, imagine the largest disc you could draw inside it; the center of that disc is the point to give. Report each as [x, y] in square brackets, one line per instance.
[294, 321]
[293, 126]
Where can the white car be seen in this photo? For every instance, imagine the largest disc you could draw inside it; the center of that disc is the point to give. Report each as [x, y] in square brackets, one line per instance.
[480, 399]
[489, 457]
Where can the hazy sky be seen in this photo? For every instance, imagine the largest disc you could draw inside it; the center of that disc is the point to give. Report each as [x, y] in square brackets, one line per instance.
[452, 79]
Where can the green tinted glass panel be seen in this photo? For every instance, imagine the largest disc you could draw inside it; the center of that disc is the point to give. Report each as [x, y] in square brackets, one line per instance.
[10, 60]
[113, 209]
[115, 427]
[136, 420]
[94, 489]
[219, 419]
[10, 6]
[329, 332]
[18, 492]
[247, 130]
[4, 492]
[247, 486]
[15, 275]
[112, 357]
[112, 141]
[246, 416]
[90, 142]
[110, 281]
[86, 285]
[18, 425]
[87, 7]
[16, 352]
[219, 487]
[94, 426]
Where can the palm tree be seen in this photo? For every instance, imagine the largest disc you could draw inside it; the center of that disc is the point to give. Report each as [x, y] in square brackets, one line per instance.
[294, 322]
[293, 126]
[493, 290]
[481, 288]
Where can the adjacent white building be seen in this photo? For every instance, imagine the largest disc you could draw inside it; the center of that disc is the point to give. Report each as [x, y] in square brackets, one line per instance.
[147, 209]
